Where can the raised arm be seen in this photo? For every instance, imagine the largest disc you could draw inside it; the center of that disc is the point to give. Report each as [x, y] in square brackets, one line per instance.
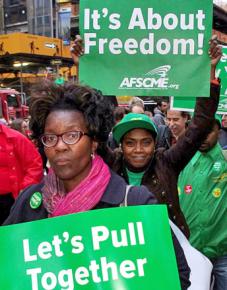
[77, 49]
[187, 145]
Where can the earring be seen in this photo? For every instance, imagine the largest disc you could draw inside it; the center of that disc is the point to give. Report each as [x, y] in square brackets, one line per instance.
[92, 155]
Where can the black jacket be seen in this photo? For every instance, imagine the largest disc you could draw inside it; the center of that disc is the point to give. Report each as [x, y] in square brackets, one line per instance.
[161, 176]
[113, 196]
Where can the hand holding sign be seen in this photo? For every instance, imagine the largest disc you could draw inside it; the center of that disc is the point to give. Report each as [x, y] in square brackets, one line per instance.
[77, 49]
[120, 248]
[215, 53]
[141, 49]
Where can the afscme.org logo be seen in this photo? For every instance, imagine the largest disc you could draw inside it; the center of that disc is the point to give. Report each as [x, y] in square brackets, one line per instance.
[154, 79]
[222, 104]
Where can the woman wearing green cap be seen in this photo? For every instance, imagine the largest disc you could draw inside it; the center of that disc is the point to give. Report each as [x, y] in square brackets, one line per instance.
[140, 164]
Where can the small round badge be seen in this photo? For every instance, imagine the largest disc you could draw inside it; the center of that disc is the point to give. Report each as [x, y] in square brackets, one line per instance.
[188, 189]
[36, 200]
[217, 192]
[217, 166]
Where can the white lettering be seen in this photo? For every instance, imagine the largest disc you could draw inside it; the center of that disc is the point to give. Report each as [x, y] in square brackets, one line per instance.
[139, 224]
[182, 45]
[127, 269]
[137, 19]
[34, 276]
[114, 21]
[130, 46]
[56, 243]
[154, 20]
[147, 42]
[96, 272]
[27, 256]
[99, 234]
[102, 42]
[95, 17]
[140, 265]
[78, 246]
[94, 267]
[146, 46]
[81, 275]
[65, 279]
[119, 242]
[200, 17]
[88, 42]
[49, 281]
[190, 25]
[86, 18]
[115, 46]
[143, 83]
[163, 46]
[44, 250]
[105, 266]
[170, 21]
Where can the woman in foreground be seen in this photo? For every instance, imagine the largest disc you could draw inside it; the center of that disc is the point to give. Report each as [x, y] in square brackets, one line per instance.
[73, 123]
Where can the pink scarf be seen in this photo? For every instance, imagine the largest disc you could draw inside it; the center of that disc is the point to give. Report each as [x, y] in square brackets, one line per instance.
[83, 197]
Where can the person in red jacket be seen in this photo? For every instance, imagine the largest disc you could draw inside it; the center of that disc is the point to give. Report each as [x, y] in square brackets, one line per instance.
[20, 166]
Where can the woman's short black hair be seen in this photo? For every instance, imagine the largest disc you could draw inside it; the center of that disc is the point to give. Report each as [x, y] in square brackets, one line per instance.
[48, 97]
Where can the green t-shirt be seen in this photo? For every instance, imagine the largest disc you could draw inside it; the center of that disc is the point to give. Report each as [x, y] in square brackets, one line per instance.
[203, 200]
[134, 178]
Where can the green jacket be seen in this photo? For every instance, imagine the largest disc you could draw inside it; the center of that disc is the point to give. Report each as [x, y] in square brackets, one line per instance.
[202, 189]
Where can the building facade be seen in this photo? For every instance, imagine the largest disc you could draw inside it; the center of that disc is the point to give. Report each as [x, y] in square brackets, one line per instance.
[38, 54]
[52, 18]
[14, 16]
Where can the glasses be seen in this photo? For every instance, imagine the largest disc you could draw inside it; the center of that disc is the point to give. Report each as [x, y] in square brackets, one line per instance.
[70, 138]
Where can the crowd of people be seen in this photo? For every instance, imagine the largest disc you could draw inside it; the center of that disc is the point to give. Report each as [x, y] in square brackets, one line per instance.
[95, 150]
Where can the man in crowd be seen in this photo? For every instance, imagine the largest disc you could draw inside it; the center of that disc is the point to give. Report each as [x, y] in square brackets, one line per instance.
[136, 105]
[203, 198]
[118, 113]
[160, 112]
[223, 132]
[20, 166]
[177, 122]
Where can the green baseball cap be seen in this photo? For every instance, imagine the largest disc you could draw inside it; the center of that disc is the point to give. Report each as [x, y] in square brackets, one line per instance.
[133, 121]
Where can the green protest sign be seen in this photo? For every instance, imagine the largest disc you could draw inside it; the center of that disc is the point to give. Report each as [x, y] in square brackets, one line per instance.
[188, 103]
[119, 248]
[182, 103]
[221, 72]
[146, 48]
